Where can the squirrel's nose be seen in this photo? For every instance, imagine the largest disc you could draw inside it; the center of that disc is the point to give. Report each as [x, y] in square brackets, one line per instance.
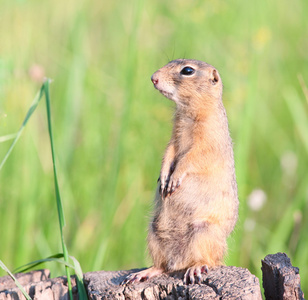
[154, 80]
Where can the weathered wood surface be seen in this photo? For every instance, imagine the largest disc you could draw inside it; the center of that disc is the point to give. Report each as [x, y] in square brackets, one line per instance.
[281, 281]
[38, 285]
[220, 283]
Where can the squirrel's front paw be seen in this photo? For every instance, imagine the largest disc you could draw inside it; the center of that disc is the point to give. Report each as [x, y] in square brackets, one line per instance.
[174, 182]
[164, 180]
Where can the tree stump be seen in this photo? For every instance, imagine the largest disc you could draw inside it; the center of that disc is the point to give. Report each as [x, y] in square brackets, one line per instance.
[281, 281]
[220, 283]
[38, 285]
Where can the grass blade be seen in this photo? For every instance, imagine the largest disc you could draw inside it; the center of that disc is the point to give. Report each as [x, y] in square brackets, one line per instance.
[3, 266]
[54, 258]
[57, 191]
[5, 138]
[32, 108]
[82, 294]
[45, 91]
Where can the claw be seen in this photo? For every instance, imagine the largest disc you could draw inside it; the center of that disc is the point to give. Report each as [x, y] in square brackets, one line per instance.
[141, 276]
[129, 279]
[204, 269]
[171, 187]
[189, 276]
[185, 280]
[163, 190]
[124, 282]
[193, 274]
[164, 182]
[173, 184]
[198, 275]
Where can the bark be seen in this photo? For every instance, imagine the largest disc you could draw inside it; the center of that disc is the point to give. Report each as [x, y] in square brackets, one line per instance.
[281, 281]
[220, 283]
[38, 285]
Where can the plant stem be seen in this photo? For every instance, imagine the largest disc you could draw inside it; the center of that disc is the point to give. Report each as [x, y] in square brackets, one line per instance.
[58, 197]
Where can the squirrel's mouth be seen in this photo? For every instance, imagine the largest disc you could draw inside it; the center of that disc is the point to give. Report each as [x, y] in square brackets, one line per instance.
[164, 89]
[167, 94]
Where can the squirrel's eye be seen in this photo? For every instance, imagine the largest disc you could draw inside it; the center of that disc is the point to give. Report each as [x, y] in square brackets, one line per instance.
[187, 71]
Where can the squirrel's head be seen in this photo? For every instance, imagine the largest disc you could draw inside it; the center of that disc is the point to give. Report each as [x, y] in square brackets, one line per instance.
[188, 82]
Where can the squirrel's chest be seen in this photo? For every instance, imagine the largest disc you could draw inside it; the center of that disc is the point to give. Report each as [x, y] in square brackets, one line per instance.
[184, 139]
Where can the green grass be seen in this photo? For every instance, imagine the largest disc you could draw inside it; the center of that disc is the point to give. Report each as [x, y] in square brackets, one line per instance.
[2, 266]
[44, 92]
[111, 127]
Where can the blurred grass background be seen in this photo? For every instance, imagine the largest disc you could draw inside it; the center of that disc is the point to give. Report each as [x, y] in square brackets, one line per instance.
[111, 127]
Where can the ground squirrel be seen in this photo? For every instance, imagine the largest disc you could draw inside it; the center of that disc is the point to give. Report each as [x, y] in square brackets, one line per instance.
[196, 202]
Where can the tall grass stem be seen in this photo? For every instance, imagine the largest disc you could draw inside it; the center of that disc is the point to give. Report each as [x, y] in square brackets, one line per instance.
[57, 191]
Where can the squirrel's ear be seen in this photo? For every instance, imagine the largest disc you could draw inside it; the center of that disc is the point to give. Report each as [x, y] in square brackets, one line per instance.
[214, 77]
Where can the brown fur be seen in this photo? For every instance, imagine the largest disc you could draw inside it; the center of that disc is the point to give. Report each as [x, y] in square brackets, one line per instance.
[196, 203]
[190, 225]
